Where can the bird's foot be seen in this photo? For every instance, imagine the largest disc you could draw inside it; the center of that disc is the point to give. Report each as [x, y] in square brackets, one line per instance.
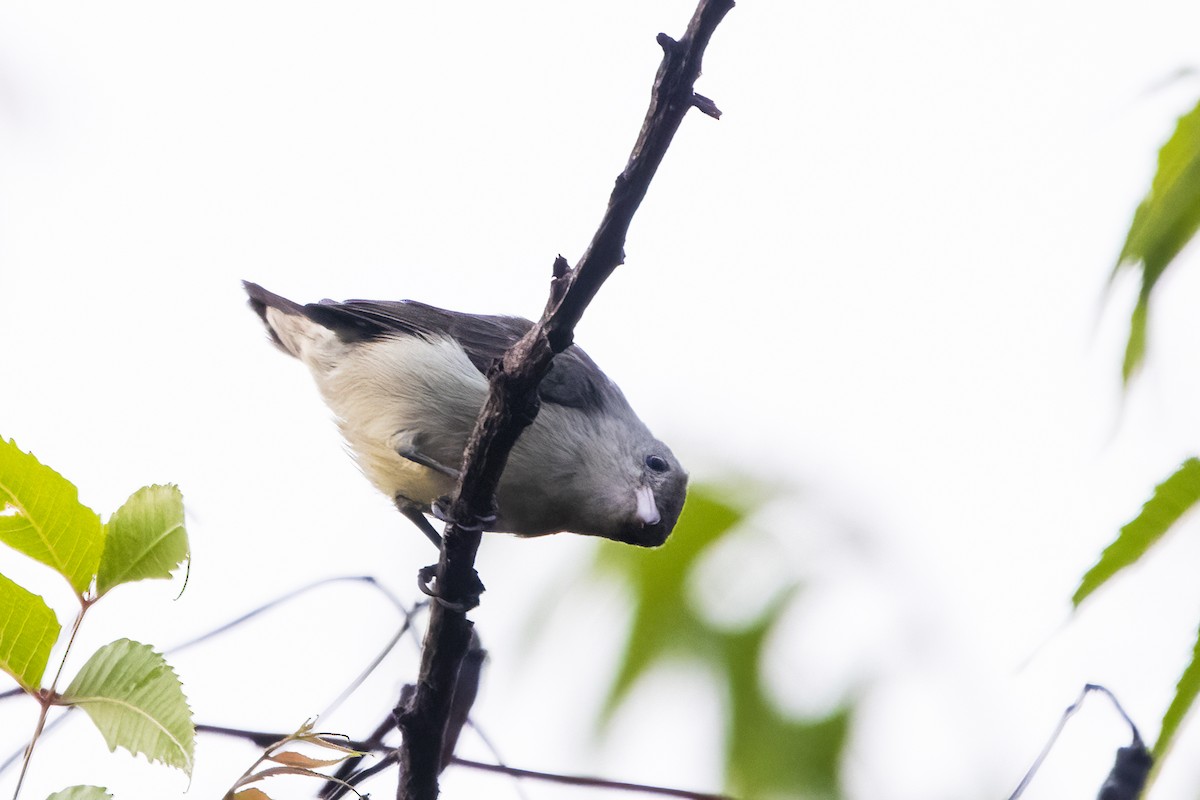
[440, 509]
[427, 583]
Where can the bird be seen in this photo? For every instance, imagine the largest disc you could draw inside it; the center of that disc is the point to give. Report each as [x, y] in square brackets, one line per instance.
[405, 382]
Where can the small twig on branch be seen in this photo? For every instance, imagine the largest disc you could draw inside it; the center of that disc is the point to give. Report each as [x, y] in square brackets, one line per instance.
[706, 106]
[512, 404]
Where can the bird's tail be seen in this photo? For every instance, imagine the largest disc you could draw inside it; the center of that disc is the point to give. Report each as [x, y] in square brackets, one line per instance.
[290, 325]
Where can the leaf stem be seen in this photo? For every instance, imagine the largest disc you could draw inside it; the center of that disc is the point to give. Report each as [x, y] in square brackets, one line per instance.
[46, 697]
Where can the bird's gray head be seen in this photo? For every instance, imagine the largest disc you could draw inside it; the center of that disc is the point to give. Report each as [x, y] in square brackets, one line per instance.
[636, 485]
[659, 498]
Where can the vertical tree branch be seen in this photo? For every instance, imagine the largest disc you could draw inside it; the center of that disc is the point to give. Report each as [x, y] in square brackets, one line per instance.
[512, 404]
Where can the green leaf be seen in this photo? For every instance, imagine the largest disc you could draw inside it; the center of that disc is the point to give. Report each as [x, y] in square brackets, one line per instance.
[771, 755]
[768, 753]
[1171, 499]
[663, 622]
[135, 699]
[145, 538]
[1164, 222]
[1135, 348]
[44, 519]
[1185, 697]
[28, 630]
[780, 757]
[82, 793]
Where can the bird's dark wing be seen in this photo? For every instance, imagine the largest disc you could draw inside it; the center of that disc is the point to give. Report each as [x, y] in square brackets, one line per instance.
[483, 338]
[574, 379]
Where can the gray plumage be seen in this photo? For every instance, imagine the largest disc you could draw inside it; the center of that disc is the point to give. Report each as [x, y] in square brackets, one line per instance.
[406, 381]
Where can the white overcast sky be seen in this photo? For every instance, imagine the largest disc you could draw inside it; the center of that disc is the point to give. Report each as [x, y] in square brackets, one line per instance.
[877, 279]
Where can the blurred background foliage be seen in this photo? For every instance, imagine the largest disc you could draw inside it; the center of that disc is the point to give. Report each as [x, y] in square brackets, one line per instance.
[1164, 223]
[768, 752]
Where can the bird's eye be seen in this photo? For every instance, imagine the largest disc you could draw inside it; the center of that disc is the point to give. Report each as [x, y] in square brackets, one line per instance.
[657, 463]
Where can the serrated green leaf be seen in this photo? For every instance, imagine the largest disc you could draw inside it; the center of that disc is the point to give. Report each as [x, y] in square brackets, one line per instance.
[28, 630]
[135, 699]
[144, 538]
[1171, 499]
[1164, 222]
[45, 519]
[82, 793]
[1185, 697]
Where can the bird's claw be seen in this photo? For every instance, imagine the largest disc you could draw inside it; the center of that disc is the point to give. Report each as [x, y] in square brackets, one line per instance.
[440, 509]
[427, 576]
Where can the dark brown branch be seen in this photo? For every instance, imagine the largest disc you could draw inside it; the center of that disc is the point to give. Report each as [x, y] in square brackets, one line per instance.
[512, 405]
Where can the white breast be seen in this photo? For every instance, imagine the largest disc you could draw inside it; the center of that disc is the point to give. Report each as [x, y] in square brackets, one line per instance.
[405, 390]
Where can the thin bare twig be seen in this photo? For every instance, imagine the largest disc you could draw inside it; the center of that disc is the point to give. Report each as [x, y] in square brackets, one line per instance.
[287, 597]
[578, 780]
[1137, 746]
[512, 405]
[266, 738]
